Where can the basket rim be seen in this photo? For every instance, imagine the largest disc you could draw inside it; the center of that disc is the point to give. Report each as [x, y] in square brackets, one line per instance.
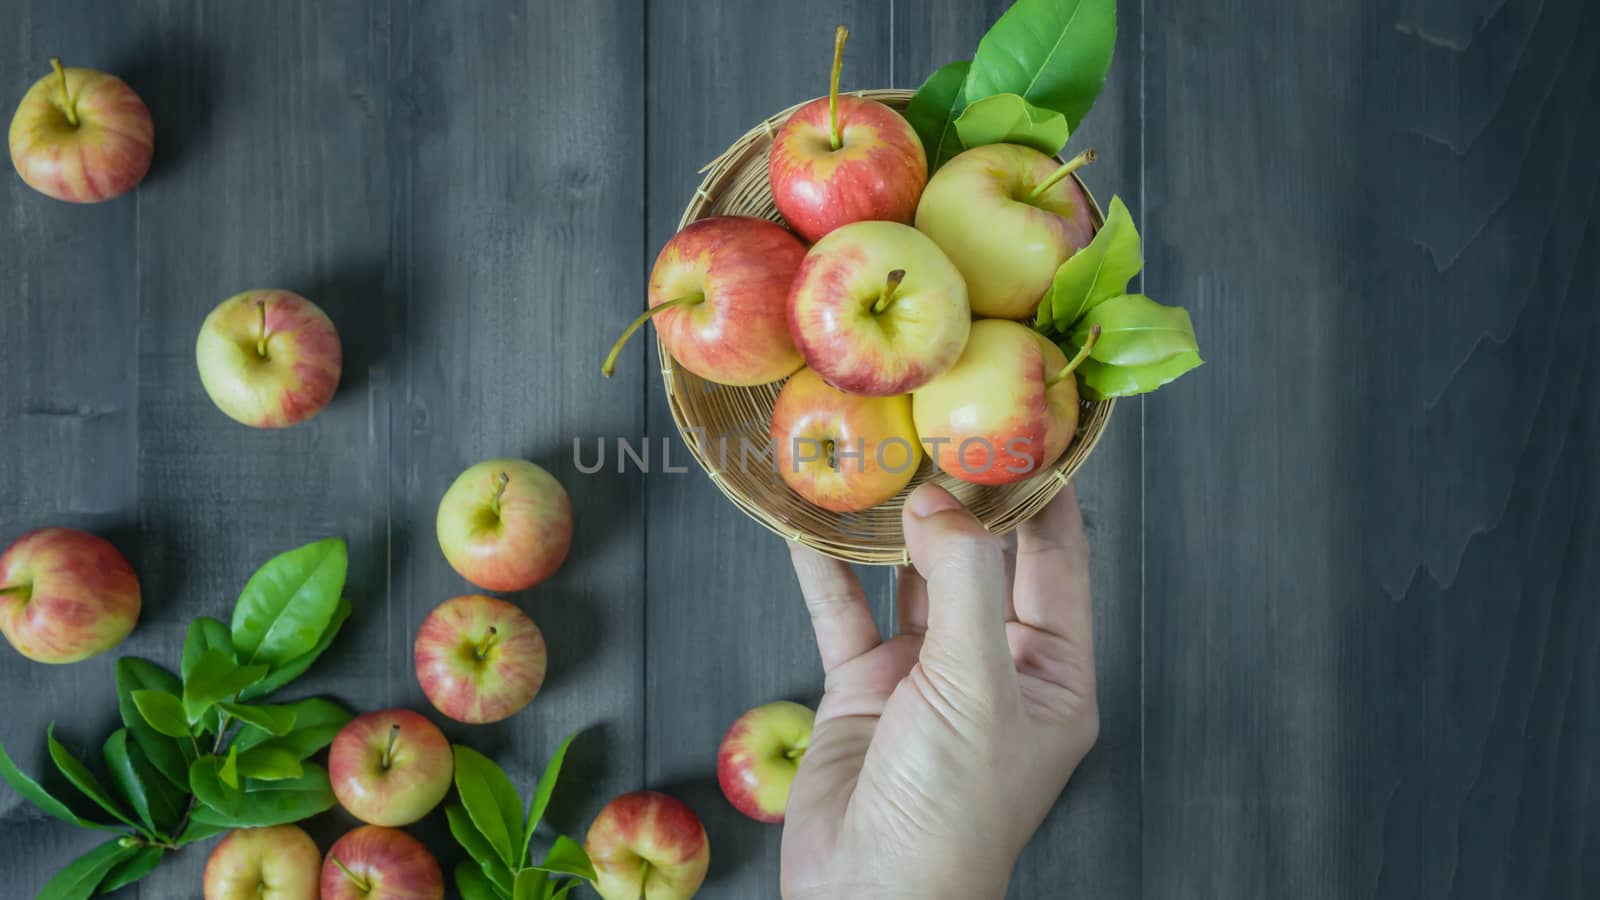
[1091, 426]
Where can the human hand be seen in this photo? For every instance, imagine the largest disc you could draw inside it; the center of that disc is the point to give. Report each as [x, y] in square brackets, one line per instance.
[937, 753]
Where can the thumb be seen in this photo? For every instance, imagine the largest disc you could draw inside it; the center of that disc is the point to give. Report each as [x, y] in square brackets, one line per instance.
[965, 571]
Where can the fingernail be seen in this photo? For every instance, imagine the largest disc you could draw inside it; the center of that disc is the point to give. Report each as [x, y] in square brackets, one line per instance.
[929, 500]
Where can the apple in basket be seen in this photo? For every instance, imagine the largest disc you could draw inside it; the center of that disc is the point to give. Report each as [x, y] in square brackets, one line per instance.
[842, 452]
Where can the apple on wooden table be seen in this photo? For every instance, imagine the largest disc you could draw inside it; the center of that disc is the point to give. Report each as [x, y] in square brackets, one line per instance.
[505, 524]
[66, 595]
[479, 659]
[1008, 216]
[81, 136]
[760, 755]
[718, 294]
[1007, 409]
[843, 452]
[878, 309]
[647, 844]
[280, 862]
[390, 767]
[377, 863]
[842, 159]
[269, 358]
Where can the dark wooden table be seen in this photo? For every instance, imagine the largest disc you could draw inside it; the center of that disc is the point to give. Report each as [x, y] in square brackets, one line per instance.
[1345, 574]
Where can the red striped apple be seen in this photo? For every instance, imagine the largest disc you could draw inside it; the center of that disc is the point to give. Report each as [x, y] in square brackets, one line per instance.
[718, 294]
[1007, 409]
[252, 863]
[650, 845]
[390, 767]
[375, 863]
[505, 524]
[760, 755]
[1008, 216]
[479, 659]
[841, 451]
[878, 309]
[842, 159]
[81, 136]
[66, 595]
[269, 359]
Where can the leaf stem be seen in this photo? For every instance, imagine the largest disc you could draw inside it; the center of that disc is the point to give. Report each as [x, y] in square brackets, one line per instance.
[610, 365]
[487, 644]
[834, 137]
[66, 94]
[891, 284]
[362, 884]
[388, 751]
[1083, 354]
[1067, 168]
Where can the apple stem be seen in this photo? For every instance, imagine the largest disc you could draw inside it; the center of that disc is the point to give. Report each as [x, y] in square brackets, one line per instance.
[1067, 168]
[834, 137]
[1083, 354]
[261, 342]
[501, 479]
[66, 94]
[362, 884]
[610, 365]
[890, 285]
[388, 752]
[796, 753]
[482, 650]
[21, 590]
[644, 875]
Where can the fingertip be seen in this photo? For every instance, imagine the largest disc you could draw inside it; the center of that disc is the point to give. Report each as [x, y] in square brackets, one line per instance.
[930, 499]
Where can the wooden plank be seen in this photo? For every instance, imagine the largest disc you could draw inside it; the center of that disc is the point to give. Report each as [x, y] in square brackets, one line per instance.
[1371, 645]
[1089, 845]
[726, 629]
[67, 409]
[524, 186]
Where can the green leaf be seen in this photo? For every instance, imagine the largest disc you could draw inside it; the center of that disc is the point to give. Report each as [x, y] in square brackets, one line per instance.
[477, 846]
[567, 857]
[1096, 273]
[120, 764]
[294, 668]
[269, 764]
[288, 603]
[205, 633]
[199, 831]
[215, 677]
[84, 875]
[472, 884]
[1136, 331]
[275, 720]
[1100, 381]
[530, 885]
[316, 723]
[31, 791]
[541, 794]
[211, 789]
[84, 780]
[1009, 119]
[229, 773]
[133, 868]
[933, 111]
[162, 712]
[276, 802]
[491, 802]
[1054, 53]
[565, 889]
[163, 751]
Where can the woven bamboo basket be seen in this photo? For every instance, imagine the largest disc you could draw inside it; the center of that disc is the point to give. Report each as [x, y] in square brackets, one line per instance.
[725, 427]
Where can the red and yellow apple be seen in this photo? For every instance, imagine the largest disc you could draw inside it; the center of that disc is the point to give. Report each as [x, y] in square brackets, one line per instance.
[647, 844]
[759, 756]
[376, 863]
[280, 862]
[1008, 216]
[842, 159]
[717, 294]
[269, 358]
[1007, 409]
[842, 452]
[81, 136]
[505, 524]
[390, 767]
[878, 309]
[479, 659]
[66, 595]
